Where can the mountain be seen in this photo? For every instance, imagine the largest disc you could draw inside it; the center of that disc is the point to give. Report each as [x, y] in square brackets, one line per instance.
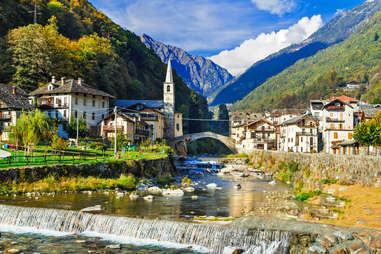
[324, 74]
[198, 73]
[73, 39]
[337, 30]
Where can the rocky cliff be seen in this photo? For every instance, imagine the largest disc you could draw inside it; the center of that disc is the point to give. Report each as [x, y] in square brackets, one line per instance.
[198, 73]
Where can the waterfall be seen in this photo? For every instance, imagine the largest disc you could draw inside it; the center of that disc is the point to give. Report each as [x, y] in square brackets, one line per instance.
[203, 237]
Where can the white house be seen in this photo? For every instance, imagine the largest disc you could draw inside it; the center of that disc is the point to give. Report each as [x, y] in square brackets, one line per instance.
[299, 134]
[72, 98]
[338, 123]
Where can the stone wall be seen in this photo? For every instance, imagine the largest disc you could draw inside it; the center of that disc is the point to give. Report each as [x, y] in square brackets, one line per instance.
[365, 170]
[142, 168]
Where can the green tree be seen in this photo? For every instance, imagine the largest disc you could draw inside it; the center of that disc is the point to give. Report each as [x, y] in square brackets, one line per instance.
[30, 128]
[82, 128]
[58, 143]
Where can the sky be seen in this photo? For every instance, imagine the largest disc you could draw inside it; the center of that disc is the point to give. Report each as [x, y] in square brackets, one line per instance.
[233, 33]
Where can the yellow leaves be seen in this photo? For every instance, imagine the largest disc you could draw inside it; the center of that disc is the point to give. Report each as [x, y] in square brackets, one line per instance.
[93, 44]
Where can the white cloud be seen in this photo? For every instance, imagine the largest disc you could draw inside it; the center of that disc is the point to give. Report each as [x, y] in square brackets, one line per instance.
[250, 51]
[275, 6]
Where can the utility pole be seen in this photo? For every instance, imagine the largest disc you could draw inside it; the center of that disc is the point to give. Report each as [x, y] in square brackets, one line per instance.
[115, 140]
[77, 129]
[35, 13]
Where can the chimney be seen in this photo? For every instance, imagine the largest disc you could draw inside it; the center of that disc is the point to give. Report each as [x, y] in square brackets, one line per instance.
[62, 81]
[14, 89]
[53, 79]
[80, 81]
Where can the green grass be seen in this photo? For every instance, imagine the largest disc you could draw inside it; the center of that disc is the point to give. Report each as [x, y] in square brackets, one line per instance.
[39, 158]
[52, 184]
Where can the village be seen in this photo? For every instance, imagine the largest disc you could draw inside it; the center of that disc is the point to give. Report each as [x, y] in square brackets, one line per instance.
[327, 126]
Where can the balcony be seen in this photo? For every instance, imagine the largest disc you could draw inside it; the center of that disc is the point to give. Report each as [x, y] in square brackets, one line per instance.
[330, 119]
[5, 117]
[341, 108]
[52, 106]
[112, 128]
[304, 133]
[142, 133]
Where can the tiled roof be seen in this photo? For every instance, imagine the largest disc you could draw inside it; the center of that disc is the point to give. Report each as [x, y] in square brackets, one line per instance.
[69, 86]
[18, 100]
[344, 98]
[149, 103]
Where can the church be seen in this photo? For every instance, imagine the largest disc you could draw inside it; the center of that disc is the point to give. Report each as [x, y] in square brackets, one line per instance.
[160, 114]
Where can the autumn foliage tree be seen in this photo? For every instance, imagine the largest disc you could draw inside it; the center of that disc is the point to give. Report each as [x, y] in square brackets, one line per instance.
[369, 133]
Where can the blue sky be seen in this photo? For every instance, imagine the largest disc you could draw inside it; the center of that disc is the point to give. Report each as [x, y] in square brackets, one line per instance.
[208, 27]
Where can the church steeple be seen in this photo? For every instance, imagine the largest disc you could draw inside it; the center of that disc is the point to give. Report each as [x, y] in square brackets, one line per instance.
[169, 78]
[169, 103]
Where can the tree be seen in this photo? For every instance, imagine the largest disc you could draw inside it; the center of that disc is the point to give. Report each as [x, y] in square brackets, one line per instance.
[58, 143]
[121, 141]
[30, 128]
[82, 128]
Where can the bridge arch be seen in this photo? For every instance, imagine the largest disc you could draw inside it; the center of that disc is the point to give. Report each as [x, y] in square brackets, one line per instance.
[179, 144]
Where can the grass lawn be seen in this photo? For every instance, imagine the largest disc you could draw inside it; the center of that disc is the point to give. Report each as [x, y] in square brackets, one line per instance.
[92, 156]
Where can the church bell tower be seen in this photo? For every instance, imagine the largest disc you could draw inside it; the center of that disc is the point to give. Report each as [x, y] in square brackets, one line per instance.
[169, 103]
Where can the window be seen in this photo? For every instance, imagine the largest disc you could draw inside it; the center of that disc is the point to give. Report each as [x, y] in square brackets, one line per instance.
[76, 100]
[332, 126]
[84, 115]
[178, 127]
[341, 126]
[311, 141]
[301, 139]
[65, 113]
[331, 114]
[93, 103]
[335, 135]
[103, 104]
[103, 116]
[301, 149]
[75, 114]
[168, 88]
[93, 116]
[350, 135]
[84, 102]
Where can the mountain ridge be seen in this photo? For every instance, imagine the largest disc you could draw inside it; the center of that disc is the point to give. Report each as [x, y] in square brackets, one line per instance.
[199, 73]
[335, 31]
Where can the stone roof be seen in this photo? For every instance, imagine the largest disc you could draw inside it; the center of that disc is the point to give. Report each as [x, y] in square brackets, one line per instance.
[18, 100]
[70, 86]
[371, 112]
[156, 104]
[297, 119]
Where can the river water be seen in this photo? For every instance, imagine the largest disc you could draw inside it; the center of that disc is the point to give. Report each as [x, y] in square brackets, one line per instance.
[226, 201]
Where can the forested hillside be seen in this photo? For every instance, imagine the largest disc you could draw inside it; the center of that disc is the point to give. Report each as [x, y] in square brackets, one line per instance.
[72, 39]
[337, 30]
[355, 59]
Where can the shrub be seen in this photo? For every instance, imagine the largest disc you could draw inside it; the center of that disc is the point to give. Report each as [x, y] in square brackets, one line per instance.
[293, 166]
[58, 143]
[128, 183]
[328, 181]
[186, 181]
[304, 196]
[164, 180]
[284, 177]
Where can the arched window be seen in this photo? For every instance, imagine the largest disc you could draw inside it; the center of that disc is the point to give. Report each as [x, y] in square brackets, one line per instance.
[168, 88]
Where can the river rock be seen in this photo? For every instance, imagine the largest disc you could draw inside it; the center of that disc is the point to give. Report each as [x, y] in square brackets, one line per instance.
[194, 197]
[92, 209]
[148, 198]
[272, 182]
[12, 251]
[211, 186]
[154, 190]
[134, 196]
[173, 193]
[189, 189]
[113, 246]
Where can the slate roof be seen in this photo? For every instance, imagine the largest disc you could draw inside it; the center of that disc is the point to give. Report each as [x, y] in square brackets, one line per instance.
[371, 112]
[149, 103]
[18, 101]
[70, 86]
[298, 119]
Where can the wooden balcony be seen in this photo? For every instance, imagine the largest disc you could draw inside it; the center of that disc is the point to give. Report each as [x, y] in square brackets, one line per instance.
[112, 128]
[329, 119]
[340, 108]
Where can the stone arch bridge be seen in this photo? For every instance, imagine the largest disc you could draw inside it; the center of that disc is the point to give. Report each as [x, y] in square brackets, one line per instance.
[179, 144]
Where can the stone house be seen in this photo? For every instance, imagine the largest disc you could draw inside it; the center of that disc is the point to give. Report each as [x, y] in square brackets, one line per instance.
[131, 126]
[13, 101]
[299, 134]
[173, 120]
[259, 134]
[72, 98]
[278, 116]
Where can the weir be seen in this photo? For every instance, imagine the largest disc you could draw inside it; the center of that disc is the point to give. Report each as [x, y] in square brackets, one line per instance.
[210, 238]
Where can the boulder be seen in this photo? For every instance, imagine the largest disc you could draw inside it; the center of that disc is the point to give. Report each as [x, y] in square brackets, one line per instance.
[211, 186]
[154, 190]
[173, 193]
[189, 189]
[148, 198]
[134, 196]
[92, 209]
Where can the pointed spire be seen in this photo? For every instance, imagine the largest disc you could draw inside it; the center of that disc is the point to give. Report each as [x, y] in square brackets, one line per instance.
[169, 78]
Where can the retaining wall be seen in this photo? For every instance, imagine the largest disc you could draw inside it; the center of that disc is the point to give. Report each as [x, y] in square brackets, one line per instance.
[141, 168]
[346, 169]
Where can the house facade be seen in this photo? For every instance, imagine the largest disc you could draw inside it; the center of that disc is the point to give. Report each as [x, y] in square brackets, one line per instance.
[72, 99]
[13, 101]
[299, 134]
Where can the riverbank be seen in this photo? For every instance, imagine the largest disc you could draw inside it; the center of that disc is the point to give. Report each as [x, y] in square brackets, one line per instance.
[340, 190]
